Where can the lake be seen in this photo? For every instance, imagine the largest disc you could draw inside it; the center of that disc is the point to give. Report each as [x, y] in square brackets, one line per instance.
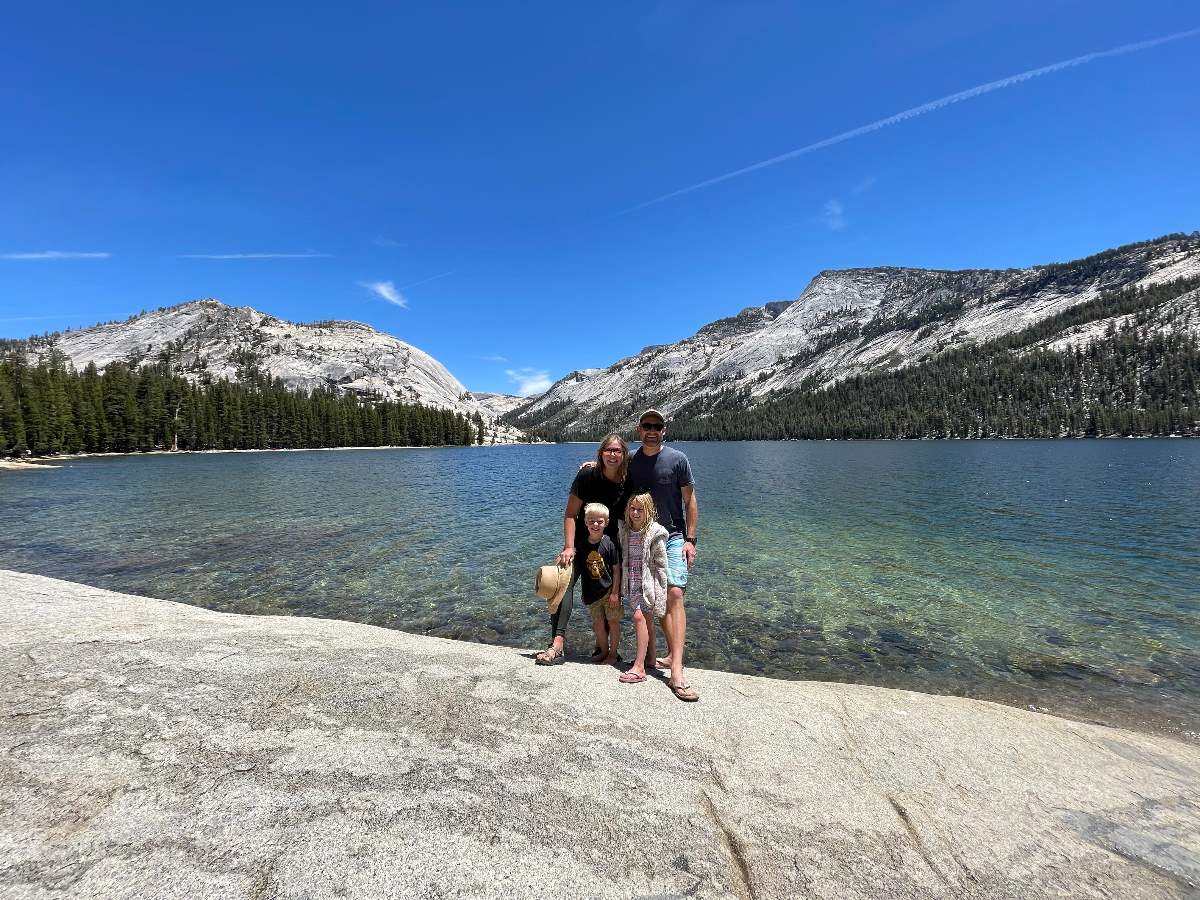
[1063, 575]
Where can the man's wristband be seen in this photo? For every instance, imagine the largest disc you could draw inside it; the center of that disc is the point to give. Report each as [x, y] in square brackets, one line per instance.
[690, 540]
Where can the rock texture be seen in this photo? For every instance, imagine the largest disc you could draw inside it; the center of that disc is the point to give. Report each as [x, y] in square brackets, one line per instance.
[498, 404]
[208, 339]
[154, 750]
[850, 322]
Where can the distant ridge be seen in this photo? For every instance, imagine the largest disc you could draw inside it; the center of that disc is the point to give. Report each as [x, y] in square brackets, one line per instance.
[852, 323]
[207, 340]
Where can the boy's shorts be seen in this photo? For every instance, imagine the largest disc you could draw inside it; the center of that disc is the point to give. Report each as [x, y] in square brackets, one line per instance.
[677, 571]
[601, 610]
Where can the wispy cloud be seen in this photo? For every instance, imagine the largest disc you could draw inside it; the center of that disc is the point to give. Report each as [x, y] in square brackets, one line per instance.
[55, 254]
[306, 255]
[865, 185]
[386, 290]
[495, 357]
[931, 106]
[382, 241]
[833, 215]
[529, 381]
[405, 287]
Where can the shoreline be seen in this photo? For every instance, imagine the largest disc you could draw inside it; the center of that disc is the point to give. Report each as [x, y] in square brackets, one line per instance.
[52, 462]
[1089, 708]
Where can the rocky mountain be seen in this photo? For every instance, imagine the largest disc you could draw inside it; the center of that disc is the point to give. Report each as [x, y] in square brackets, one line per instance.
[852, 322]
[208, 340]
[498, 404]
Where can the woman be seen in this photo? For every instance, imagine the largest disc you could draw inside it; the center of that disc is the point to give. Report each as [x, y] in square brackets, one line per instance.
[605, 483]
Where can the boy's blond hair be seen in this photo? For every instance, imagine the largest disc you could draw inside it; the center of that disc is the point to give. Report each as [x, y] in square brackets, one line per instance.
[646, 502]
[592, 510]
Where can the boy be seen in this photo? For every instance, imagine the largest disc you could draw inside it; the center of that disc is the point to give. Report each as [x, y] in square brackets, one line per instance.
[599, 565]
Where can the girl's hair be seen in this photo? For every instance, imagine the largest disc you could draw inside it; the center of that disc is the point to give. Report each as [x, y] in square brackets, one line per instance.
[623, 469]
[595, 511]
[646, 502]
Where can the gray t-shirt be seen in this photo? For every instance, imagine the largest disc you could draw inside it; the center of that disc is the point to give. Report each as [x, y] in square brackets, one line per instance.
[664, 475]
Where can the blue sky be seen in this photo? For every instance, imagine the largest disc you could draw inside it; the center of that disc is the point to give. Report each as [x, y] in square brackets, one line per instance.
[487, 165]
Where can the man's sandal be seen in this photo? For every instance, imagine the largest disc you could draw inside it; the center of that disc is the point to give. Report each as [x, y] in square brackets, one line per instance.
[684, 692]
[551, 656]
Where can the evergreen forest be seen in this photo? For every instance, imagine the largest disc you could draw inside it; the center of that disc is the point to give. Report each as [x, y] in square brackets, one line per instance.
[47, 408]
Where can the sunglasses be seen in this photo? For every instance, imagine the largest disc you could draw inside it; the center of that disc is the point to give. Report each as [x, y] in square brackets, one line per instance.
[650, 426]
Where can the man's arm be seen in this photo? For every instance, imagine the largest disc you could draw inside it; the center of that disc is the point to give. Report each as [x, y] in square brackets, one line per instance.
[692, 517]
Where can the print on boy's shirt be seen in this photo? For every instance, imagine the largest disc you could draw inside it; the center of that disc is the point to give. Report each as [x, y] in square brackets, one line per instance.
[595, 565]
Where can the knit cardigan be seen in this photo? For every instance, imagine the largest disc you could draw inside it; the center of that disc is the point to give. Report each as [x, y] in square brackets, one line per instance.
[654, 566]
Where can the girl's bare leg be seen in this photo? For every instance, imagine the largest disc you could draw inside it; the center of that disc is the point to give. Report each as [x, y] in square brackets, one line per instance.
[643, 641]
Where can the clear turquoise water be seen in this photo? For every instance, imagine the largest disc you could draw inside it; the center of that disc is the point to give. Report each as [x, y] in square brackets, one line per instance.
[1064, 575]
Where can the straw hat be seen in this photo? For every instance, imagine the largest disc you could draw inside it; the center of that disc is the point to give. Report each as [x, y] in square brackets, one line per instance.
[550, 584]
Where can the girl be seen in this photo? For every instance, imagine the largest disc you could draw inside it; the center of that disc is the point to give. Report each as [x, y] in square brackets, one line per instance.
[643, 575]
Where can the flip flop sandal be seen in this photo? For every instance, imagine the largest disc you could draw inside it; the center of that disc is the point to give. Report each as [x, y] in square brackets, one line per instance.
[684, 692]
[631, 678]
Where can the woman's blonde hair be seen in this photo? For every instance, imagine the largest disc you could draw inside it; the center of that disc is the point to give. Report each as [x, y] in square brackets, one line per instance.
[646, 502]
[623, 469]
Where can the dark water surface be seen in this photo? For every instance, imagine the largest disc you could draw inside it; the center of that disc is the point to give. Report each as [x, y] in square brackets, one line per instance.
[1064, 575]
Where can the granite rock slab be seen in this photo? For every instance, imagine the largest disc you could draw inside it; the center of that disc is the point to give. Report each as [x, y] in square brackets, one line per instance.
[152, 749]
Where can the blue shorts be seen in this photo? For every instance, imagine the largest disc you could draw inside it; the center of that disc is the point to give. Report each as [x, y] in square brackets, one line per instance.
[677, 570]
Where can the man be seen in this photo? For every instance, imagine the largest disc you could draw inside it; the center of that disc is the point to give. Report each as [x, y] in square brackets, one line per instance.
[667, 475]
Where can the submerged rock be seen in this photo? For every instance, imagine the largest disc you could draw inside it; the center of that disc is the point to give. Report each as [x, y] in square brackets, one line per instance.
[154, 749]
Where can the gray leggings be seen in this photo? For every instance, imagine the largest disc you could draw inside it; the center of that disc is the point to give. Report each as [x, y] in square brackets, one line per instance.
[561, 616]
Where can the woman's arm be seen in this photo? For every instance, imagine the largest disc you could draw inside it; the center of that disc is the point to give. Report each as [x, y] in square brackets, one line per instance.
[574, 504]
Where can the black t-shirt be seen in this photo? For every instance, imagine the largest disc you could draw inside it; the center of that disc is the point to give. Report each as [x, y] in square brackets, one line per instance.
[596, 564]
[591, 486]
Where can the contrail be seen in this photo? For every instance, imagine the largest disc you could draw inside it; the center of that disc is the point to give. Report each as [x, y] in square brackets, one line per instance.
[929, 107]
[405, 287]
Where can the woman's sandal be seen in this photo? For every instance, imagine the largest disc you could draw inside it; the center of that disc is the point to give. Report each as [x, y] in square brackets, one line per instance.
[631, 678]
[551, 656]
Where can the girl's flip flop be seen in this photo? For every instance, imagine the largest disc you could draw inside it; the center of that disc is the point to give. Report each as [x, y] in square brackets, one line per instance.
[631, 678]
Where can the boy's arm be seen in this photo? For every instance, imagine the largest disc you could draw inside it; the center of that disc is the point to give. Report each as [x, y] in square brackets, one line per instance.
[614, 596]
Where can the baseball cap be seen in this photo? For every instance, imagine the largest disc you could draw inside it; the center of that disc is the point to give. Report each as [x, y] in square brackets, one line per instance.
[651, 414]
